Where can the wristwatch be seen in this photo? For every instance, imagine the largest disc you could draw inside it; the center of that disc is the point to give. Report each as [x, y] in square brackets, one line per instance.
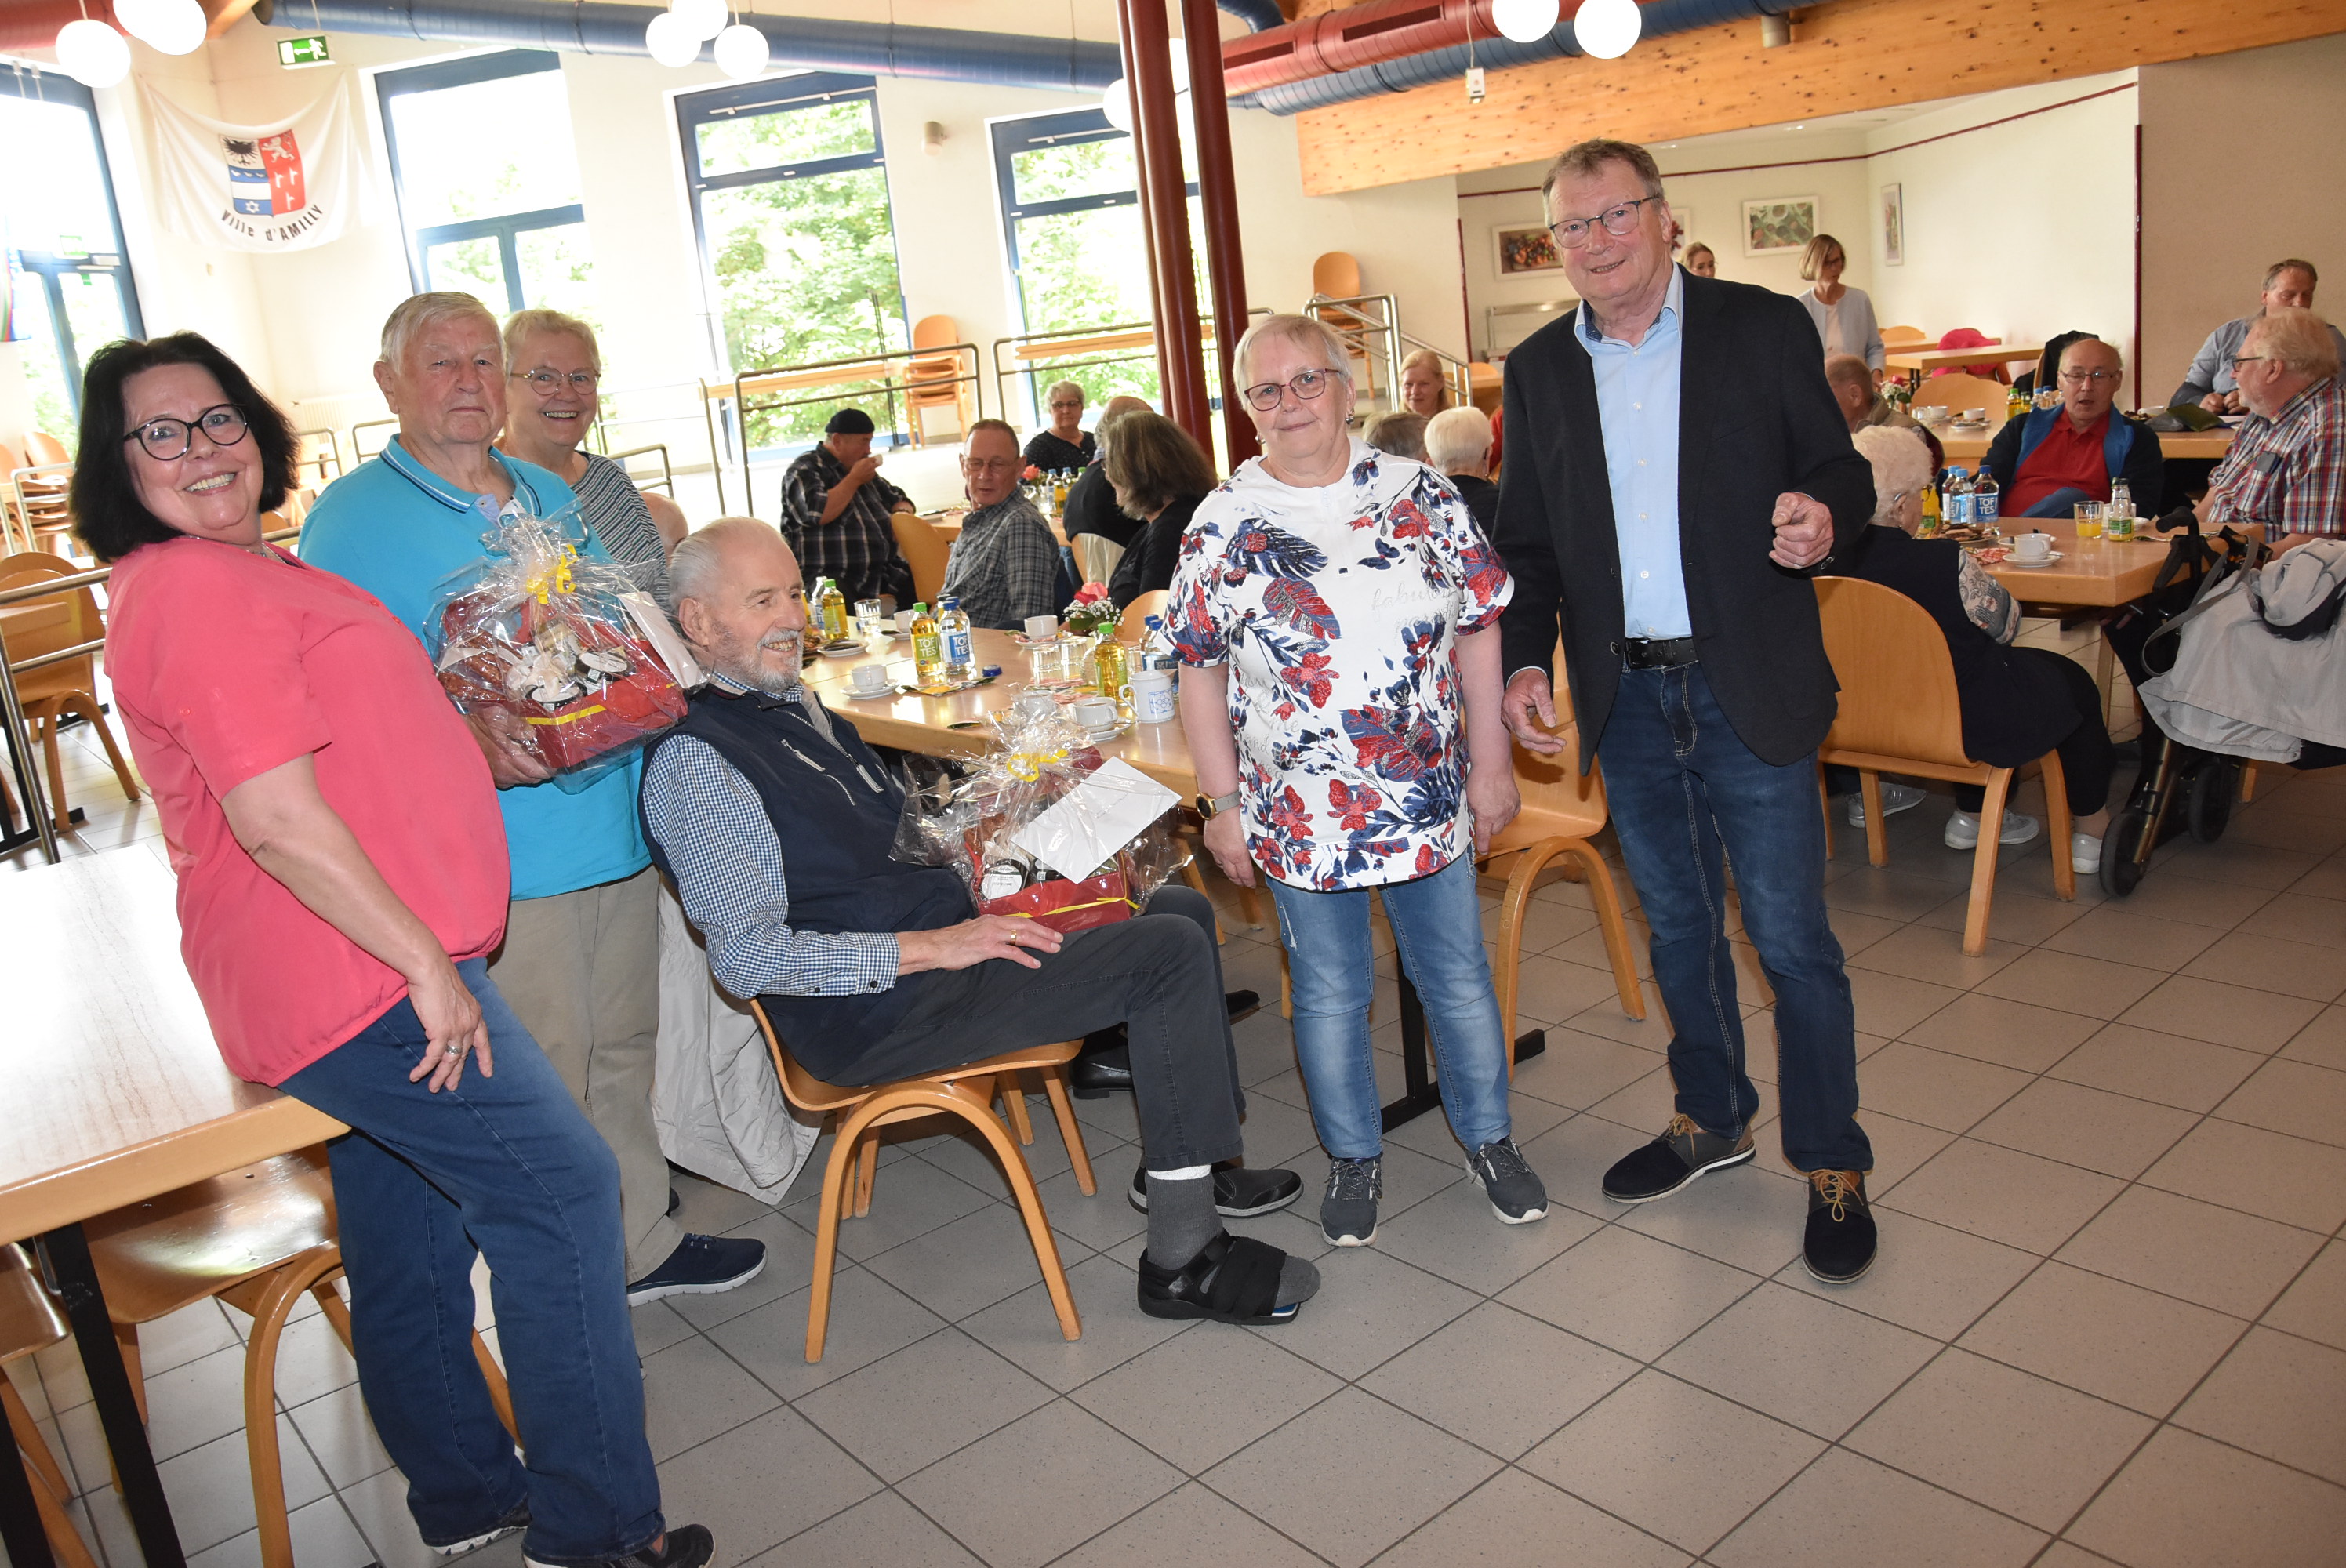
[1212, 806]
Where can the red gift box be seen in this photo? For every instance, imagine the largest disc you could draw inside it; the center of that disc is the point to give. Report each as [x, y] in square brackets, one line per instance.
[1066, 906]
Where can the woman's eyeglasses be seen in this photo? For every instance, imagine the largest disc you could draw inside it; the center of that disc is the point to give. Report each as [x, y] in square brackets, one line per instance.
[1305, 384]
[546, 383]
[167, 440]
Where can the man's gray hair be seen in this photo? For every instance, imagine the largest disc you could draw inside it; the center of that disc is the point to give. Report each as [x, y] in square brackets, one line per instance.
[1458, 438]
[1400, 432]
[1299, 330]
[1583, 159]
[1902, 466]
[1849, 370]
[2299, 340]
[697, 565]
[2292, 264]
[418, 312]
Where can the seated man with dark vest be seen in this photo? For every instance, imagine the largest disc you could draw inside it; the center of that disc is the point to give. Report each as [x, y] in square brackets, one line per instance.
[872, 970]
[2050, 459]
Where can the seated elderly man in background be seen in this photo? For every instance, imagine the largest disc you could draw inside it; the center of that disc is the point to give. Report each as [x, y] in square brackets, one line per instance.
[2287, 470]
[1861, 402]
[1400, 433]
[776, 821]
[2050, 459]
[1065, 445]
[2211, 382]
[580, 963]
[836, 512]
[1458, 445]
[1004, 567]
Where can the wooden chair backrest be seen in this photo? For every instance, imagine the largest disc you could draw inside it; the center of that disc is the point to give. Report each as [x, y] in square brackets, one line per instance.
[1337, 275]
[1904, 335]
[81, 624]
[1897, 679]
[925, 550]
[11, 460]
[1558, 800]
[1958, 392]
[935, 332]
[43, 448]
[1137, 614]
[29, 1319]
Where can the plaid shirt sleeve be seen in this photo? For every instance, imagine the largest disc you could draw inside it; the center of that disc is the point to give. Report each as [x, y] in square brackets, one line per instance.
[804, 494]
[728, 862]
[2289, 473]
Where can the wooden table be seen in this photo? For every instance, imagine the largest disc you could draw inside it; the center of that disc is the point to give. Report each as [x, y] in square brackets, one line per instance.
[955, 725]
[117, 1093]
[1957, 359]
[2094, 574]
[1972, 445]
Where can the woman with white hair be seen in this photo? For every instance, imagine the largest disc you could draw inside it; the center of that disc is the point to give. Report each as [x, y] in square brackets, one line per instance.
[1458, 445]
[2018, 703]
[1065, 446]
[1338, 608]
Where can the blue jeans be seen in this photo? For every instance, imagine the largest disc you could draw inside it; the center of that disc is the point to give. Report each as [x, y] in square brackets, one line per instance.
[1438, 925]
[1683, 787]
[509, 1165]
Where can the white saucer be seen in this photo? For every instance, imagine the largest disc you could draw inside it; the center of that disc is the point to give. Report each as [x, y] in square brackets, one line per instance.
[884, 691]
[2052, 557]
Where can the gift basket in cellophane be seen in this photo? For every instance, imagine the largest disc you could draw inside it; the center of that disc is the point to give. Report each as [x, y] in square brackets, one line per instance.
[567, 657]
[1044, 827]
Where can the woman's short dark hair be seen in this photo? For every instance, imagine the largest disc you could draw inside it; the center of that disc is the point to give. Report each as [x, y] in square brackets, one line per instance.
[107, 514]
[1152, 463]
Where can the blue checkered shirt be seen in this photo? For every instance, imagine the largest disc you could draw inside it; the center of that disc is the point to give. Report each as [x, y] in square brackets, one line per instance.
[728, 861]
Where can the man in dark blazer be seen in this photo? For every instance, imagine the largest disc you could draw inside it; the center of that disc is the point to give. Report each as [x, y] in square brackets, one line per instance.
[1677, 469]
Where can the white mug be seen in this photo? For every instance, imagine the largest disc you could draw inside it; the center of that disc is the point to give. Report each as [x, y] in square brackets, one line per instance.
[1971, 415]
[1095, 713]
[1042, 628]
[903, 622]
[1152, 695]
[869, 679]
[2031, 547]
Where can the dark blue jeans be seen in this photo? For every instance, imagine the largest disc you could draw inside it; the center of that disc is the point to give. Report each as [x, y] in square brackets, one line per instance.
[1683, 787]
[510, 1166]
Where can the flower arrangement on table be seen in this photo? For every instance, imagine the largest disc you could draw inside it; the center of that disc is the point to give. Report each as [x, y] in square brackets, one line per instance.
[1091, 614]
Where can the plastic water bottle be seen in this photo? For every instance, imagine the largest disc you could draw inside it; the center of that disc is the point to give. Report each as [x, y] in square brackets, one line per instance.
[953, 626]
[1156, 647]
[1956, 499]
[1986, 499]
[928, 649]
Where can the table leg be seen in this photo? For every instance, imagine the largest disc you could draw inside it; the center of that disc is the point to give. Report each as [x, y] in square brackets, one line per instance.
[75, 1277]
[21, 1531]
[1420, 1093]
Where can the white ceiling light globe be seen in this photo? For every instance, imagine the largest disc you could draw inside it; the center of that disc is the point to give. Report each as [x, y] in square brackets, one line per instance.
[131, 16]
[741, 52]
[1525, 21]
[174, 27]
[1116, 105]
[705, 18]
[92, 52]
[671, 40]
[1606, 28]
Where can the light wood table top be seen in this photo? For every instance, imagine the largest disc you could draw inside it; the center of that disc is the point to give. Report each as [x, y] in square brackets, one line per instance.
[953, 725]
[2093, 572]
[1957, 359]
[115, 1091]
[1971, 446]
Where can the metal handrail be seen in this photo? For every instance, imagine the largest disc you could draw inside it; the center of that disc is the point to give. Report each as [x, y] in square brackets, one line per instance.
[333, 454]
[886, 383]
[1356, 331]
[12, 706]
[667, 472]
[358, 447]
[1053, 364]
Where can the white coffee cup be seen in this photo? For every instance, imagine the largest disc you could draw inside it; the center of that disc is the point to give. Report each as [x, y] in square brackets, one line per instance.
[1971, 415]
[2031, 547]
[1093, 713]
[1042, 628]
[903, 622]
[869, 679]
[1152, 695]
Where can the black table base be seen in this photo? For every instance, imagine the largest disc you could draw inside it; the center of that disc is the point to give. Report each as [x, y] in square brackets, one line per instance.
[1420, 1093]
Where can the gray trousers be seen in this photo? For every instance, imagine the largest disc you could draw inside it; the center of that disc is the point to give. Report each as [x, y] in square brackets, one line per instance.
[581, 970]
[1158, 973]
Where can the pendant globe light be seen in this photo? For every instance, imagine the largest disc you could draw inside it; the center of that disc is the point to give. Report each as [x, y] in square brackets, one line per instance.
[1525, 21]
[1116, 105]
[1606, 28]
[92, 52]
[671, 40]
[170, 26]
[741, 52]
[706, 18]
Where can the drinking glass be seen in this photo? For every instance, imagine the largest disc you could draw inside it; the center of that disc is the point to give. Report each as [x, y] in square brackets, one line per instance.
[870, 616]
[2089, 519]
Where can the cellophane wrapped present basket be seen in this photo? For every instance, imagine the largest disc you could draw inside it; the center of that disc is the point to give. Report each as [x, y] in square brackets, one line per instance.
[567, 655]
[1045, 827]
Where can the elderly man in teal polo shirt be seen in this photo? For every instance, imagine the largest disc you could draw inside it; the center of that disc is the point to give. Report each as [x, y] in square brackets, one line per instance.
[580, 963]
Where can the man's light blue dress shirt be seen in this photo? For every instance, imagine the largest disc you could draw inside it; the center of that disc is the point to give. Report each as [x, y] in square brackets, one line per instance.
[1637, 405]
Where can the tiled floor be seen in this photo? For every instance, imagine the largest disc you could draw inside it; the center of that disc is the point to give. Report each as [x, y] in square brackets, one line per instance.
[2108, 1323]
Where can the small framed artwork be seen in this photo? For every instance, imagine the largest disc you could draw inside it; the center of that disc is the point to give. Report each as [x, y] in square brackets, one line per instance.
[1526, 249]
[1779, 224]
[1894, 225]
[1684, 217]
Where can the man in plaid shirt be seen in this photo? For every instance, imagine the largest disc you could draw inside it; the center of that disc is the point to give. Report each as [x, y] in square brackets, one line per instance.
[1006, 566]
[836, 514]
[2286, 469]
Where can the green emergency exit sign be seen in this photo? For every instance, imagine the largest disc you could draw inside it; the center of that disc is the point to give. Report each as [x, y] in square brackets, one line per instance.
[295, 52]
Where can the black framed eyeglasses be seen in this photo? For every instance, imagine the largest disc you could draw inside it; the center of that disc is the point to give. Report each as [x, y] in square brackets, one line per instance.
[546, 383]
[167, 440]
[1572, 233]
[1305, 384]
[2239, 359]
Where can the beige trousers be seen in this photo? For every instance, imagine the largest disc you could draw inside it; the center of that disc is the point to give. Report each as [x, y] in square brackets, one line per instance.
[581, 969]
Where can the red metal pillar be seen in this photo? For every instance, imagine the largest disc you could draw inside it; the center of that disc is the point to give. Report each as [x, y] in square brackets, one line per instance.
[1217, 198]
[1165, 212]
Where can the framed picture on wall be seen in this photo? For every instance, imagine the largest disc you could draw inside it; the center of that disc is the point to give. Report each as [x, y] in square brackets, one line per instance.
[1894, 225]
[1685, 217]
[1778, 224]
[1524, 250]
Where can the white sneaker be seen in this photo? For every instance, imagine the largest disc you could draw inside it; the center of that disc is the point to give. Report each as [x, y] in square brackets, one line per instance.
[2085, 854]
[1895, 798]
[1963, 830]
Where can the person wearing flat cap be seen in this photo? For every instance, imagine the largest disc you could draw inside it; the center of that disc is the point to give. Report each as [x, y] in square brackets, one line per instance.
[836, 512]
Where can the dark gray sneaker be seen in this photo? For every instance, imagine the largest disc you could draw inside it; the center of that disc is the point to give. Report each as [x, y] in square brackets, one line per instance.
[1682, 1153]
[1517, 1195]
[1348, 1213]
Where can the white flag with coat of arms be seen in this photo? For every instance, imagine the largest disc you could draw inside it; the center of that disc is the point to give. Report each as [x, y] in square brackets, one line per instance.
[287, 185]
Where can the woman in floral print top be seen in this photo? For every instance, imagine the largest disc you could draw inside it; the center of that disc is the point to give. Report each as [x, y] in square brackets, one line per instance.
[1337, 607]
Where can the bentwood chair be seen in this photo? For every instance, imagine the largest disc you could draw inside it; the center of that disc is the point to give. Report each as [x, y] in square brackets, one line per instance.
[30, 1321]
[1900, 713]
[1899, 337]
[259, 1238]
[53, 691]
[965, 1091]
[925, 550]
[933, 380]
